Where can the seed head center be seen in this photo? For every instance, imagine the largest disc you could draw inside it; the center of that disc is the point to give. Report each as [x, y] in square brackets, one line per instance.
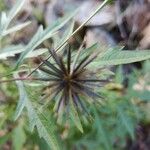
[67, 78]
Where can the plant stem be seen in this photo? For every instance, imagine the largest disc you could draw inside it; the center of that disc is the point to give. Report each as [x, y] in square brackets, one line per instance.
[18, 79]
[15, 79]
[77, 30]
[29, 79]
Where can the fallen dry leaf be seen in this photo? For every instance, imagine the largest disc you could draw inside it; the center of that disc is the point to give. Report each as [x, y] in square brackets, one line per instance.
[145, 42]
[105, 16]
[95, 35]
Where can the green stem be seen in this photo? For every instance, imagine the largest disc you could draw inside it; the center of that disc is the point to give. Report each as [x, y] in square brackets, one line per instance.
[77, 30]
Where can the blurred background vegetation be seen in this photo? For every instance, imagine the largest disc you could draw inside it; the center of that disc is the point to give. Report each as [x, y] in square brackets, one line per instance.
[123, 121]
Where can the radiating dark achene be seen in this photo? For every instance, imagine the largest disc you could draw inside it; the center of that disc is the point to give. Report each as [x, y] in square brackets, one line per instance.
[71, 78]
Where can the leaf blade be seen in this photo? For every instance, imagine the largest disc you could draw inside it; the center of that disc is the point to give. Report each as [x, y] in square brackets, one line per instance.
[123, 57]
[22, 100]
[16, 28]
[42, 35]
[44, 127]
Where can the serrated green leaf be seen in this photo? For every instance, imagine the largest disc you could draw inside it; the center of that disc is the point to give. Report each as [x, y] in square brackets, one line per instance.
[36, 52]
[2, 22]
[18, 137]
[16, 28]
[15, 9]
[121, 57]
[102, 131]
[12, 50]
[74, 115]
[46, 128]
[41, 35]
[22, 100]
[6, 19]
[127, 123]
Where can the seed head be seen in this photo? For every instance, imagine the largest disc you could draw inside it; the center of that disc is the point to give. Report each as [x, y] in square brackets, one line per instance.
[70, 79]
